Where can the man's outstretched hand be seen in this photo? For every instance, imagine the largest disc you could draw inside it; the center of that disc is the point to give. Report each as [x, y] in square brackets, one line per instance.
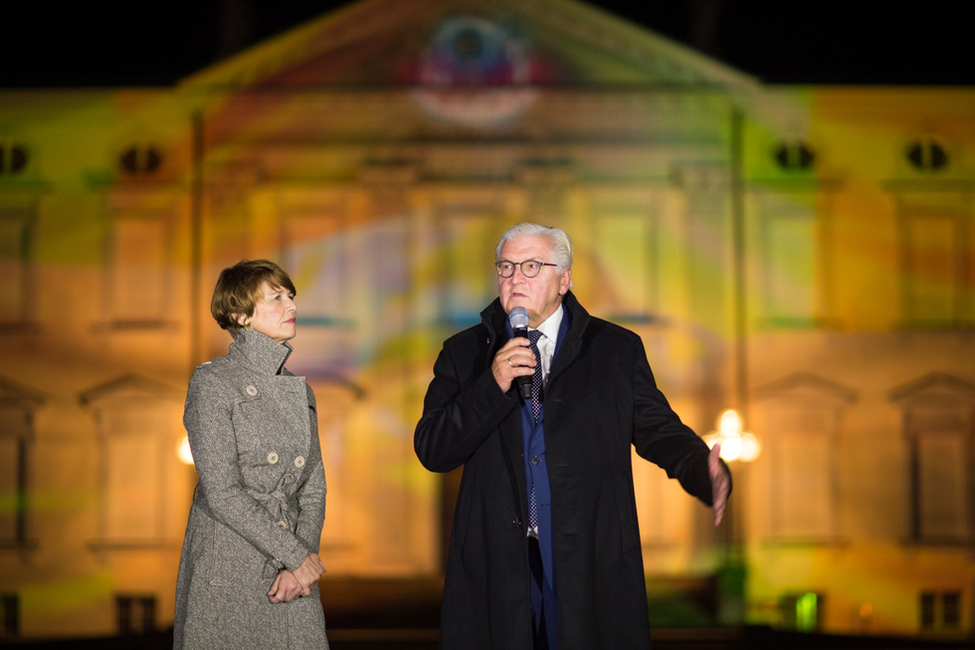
[720, 483]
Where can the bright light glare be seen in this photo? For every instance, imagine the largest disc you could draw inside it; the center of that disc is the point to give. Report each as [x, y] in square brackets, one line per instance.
[735, 444]
[731, 447]
[183, 451]
[729, 422]
[750, 447]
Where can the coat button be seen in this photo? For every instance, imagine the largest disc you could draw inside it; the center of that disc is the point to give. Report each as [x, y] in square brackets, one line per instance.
[281, 524]
[272, 457]
[300, 461]
[536, 460]
[250, 390]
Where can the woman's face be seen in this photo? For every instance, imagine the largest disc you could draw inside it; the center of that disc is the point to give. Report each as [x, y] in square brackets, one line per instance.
[274, 314]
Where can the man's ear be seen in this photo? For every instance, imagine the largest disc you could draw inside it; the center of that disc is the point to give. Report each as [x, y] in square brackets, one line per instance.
[565, 282]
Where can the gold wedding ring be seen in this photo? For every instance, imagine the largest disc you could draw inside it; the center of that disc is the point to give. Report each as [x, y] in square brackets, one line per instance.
[509, 362]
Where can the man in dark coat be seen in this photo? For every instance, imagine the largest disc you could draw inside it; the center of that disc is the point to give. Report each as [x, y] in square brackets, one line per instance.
[545, 549]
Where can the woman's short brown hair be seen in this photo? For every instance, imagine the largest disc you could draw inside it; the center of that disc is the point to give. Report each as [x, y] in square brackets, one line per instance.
[238, 290]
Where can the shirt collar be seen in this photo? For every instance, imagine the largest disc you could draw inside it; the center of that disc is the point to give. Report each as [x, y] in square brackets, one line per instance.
[550, 326]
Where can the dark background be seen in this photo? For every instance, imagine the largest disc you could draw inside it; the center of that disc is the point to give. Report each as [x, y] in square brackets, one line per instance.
[79, 43]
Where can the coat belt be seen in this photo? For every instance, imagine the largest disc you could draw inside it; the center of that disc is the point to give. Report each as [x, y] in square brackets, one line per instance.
[281, 506]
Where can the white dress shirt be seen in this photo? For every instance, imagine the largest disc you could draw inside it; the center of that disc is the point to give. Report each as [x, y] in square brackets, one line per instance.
[546, 343]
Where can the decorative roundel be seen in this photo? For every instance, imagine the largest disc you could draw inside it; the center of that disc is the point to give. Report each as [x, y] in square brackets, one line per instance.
[13, 158]
[473, 71]
[140, 159]
[795, 156]
[927, 154]
[473, 51]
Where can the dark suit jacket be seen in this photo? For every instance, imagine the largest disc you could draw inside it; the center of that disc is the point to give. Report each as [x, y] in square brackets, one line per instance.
[600, 399]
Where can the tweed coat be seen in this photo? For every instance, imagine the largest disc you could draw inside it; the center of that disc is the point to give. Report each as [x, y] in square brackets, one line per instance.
[259, 504]
[600, 400]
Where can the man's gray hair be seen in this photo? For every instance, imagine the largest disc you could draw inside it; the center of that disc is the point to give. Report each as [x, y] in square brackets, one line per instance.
[561, 244]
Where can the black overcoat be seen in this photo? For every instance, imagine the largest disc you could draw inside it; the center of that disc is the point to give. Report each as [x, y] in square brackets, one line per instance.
[600, 398]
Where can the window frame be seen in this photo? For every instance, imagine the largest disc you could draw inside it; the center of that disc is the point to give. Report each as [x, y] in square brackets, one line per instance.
[920, 402]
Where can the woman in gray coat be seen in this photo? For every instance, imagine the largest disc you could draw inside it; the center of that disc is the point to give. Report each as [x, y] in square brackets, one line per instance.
[249, 570]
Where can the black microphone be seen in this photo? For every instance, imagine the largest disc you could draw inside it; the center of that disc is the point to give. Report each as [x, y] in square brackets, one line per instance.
[518, 319]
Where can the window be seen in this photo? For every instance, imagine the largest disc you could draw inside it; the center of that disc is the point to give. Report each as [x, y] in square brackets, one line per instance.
[388, 277]
[940, 610]
[939, 475]
[790, 268]
[138, 430]
[801, 612]
[138, 253]
[937, 278]
[625, 249]
[799, 421]
[10, 605]
[317, 252]
[470, 231]
[794, 272]
[802, 457]
[132, 490]
[14, 437]
[951, 609]
[939, 416]
[138, 276]
[17, 406]
[136, 614]
[928, 616]
[16, 244]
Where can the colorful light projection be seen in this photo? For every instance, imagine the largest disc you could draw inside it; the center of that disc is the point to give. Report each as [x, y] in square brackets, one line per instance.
[474, 71]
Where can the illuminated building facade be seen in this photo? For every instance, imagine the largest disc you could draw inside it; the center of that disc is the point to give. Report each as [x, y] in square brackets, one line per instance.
[803, 254]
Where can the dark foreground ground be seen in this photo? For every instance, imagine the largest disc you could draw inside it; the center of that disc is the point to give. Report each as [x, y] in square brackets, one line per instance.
[401, 615]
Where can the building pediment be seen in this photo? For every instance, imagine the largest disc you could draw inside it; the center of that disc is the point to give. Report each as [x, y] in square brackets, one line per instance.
[15, 395]
[936, 387]
[129, 388]
[468, 43]
[806, 387]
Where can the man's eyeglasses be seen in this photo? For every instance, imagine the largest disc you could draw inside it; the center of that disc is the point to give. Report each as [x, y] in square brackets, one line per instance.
[529, 268]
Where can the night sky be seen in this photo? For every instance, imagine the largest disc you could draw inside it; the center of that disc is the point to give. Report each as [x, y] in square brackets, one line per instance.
[78, 43]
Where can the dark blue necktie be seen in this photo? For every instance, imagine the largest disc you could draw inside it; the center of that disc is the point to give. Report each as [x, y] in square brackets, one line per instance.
[533, 336]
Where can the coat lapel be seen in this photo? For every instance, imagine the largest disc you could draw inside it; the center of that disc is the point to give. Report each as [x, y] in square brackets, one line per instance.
[574, 323]
[494, 319]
